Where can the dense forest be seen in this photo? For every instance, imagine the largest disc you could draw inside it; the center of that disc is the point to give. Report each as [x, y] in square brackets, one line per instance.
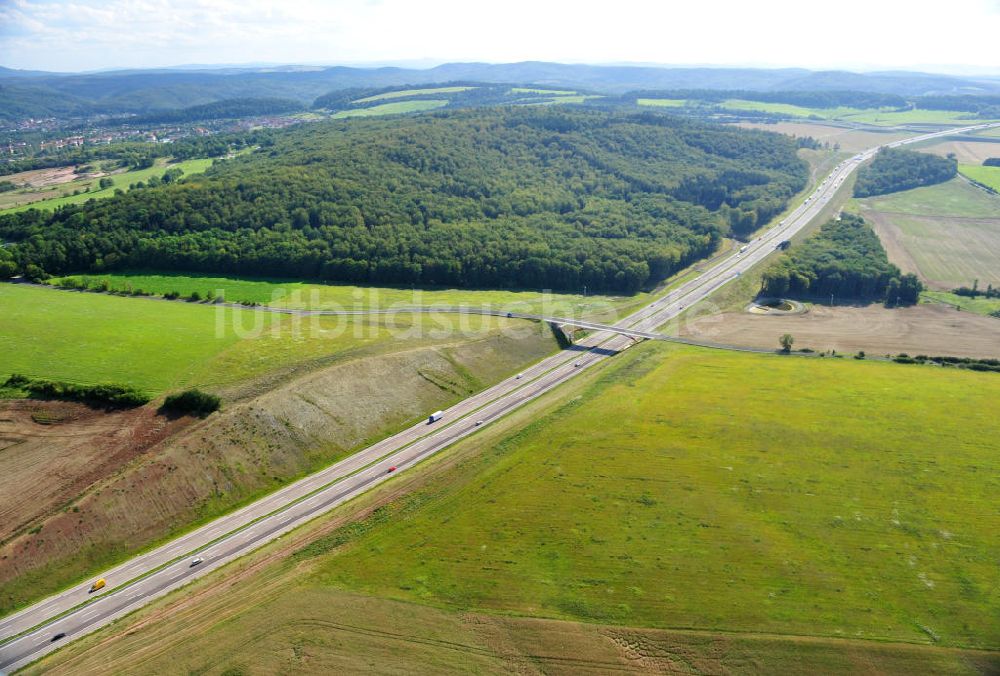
[845, 260]
[895, 169]
[219, 110]
[511, 197]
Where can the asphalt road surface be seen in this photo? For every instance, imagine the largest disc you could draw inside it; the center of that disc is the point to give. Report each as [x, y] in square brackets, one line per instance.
[29, 634]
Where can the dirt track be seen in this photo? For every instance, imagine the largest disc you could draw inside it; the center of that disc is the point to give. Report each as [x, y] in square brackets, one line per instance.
[924, 329]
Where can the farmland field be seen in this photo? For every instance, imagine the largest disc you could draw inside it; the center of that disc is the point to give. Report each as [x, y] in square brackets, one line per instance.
[967, 152]
[158, 345]
[879, 118]
[51, 197]
[989, 176]
[413, 92]
[553, 92]
[948, 234]
[305, 295]
[978, 305]
[719, 501]
[662, 103]
[756, 496]
[792, 110]
[849, 140]
[921, 329]
[297, 396]
[394, 108]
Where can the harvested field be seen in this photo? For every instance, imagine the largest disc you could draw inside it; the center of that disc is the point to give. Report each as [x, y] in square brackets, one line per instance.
[947, 234]
[923, 329]
[329, 631]
[967, 152]
[944, 252]
[850, 140]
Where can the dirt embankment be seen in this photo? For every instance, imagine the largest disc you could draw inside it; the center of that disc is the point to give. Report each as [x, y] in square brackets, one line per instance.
[923, 329]
[51, 451]
[207, 467]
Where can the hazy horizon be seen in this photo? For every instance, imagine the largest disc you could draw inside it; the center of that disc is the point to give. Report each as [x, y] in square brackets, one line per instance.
[423, 64]
[95, 35]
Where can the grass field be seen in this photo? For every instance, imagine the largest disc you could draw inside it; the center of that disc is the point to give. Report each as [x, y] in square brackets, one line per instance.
[889, 119]
[662, 103]
[121, 182]
[579, 98]
[394, 108]
[294, 401]
[413, 92]
[305, 295]
[879, 118]
[979, 305]
[159, 345]
[551, 92]
[949, 234]
[989, 176]
[740, 505]
[734, 492]
[791, 110]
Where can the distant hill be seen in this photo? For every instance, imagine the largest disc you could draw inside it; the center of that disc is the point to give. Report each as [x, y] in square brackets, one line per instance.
[141, 92]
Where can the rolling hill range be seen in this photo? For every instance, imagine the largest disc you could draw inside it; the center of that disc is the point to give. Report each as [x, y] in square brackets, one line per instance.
[30, 93]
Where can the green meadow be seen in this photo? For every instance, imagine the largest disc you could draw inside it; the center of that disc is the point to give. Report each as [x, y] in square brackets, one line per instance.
[551, 92]
[662, 103]
[413, 92]
[680, 487]
[394, 108]
[988, 176]
[314, 296]
[158, 345]
[978, 305]
[876, 117]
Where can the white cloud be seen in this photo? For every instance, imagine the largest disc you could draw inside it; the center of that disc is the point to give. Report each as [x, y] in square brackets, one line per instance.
[88, 34]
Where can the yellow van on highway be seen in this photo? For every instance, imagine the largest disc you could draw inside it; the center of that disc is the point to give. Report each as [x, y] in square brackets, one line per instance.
[97, 585]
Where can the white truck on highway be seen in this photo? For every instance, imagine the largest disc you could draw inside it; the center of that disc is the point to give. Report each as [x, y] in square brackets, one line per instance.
[434, 417]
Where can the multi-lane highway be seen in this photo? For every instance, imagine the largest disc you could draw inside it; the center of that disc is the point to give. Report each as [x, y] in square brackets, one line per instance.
[29, 634]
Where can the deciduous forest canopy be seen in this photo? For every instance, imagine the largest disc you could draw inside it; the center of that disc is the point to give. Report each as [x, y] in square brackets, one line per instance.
[895, 169]
[509, 197]
[844, 259]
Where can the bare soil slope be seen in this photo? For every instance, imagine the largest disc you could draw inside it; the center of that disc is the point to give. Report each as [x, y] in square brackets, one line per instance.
[51, 451]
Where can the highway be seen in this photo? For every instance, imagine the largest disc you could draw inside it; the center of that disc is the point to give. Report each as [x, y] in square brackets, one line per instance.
[27, 635]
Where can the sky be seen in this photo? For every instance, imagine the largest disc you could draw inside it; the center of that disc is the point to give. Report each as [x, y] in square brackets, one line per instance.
[77, 35]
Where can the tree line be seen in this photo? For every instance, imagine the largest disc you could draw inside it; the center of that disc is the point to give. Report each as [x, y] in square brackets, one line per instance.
[895, 169]
[509, 197]
[845, 259]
